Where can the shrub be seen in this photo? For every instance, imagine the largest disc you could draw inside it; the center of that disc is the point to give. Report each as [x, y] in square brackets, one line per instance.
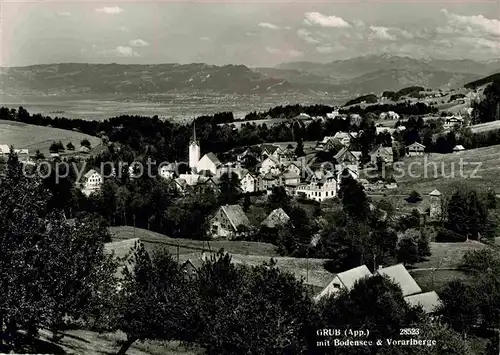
[446, 235]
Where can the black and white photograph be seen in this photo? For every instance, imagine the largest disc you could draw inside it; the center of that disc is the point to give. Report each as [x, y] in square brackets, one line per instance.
[254, 177]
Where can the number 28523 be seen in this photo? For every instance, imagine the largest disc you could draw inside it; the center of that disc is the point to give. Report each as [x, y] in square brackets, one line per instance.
[409, 331]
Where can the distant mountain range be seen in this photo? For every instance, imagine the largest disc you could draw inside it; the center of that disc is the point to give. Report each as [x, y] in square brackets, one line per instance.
[362, 75]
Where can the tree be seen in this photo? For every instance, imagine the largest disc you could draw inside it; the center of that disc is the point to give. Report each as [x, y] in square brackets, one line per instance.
[407, 250]
[374, 303]
[414, 197]
[70, 146]
[247, 202]
[278, 198]
[467, 213]
[270, 309]
[354, 200]
[229, 185]
[157, 300]
[85, 143]
[64, 269]
[460, 307]
[299, 150]
[56, 147]
[410, 221]
[39, 155]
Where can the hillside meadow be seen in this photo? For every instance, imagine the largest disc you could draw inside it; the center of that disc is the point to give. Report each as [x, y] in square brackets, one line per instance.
[478, 168]
[26, 136]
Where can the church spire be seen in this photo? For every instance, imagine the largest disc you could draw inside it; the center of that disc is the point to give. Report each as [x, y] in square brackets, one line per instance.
[193, 138]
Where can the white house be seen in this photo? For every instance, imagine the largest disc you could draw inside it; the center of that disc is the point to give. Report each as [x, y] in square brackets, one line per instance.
[390, 115]
[248, 183]
[415, 149]
[344, 137]
[452, 121]
[458, 148]
[4, 150]
[344, 281]
[270, 165]
[208, 162]
[321, 187]
[167, 171]
[92, 182]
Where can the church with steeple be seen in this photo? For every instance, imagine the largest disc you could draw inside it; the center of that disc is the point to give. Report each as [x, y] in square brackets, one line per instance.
[208, 163]
[194, 151]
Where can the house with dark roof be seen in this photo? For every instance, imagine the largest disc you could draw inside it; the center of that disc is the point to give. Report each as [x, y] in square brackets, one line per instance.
[192, 266]
[228, 222]
[344, 281]
[415, 149]
[384, 153]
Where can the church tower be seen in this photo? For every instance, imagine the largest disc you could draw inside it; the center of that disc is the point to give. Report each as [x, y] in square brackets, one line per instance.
[194, 151]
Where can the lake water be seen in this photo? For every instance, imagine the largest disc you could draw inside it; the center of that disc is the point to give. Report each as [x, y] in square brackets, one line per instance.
[181, 108]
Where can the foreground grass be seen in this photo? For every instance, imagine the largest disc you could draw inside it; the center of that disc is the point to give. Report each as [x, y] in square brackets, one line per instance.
[88, 342]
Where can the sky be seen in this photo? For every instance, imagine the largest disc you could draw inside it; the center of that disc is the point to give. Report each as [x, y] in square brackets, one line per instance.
[254, 33]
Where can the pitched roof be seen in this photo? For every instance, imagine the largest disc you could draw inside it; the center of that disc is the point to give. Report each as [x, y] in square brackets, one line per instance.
[429, 301]
[350, 277]
[416, 144]
[401, 276]
[269, 148]
[90, 173]
[382, 149]
[273, 159]
[276, 218]
[236, 215]
[435, 192]
[342, 152]
[459, 147]
[213, 158]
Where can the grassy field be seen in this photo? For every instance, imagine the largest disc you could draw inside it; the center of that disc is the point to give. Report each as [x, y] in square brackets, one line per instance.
[448, 255]
[484, 127]
[436, 280]
[32, 137]
[249, 253]
[186, 246]
[441, 171]
[87, 342]
[312, 271]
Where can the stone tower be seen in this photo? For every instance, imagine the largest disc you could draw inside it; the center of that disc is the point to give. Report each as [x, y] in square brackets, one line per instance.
[435, 204]
[194, 151]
